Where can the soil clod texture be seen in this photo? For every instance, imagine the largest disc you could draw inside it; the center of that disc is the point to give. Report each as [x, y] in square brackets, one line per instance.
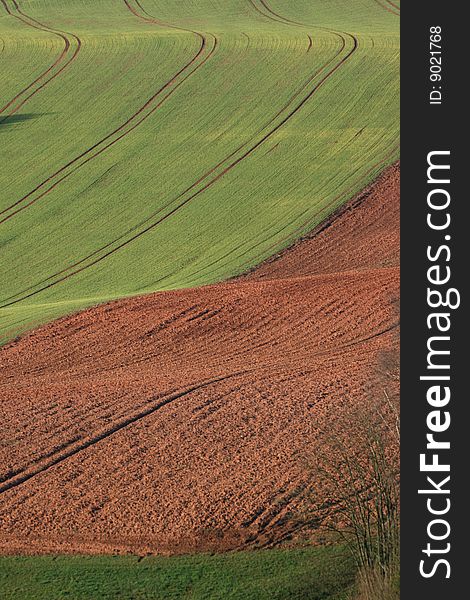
[180, 421]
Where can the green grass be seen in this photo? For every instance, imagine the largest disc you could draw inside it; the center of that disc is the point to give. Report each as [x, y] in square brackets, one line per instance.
[332, 146]
[312, 573]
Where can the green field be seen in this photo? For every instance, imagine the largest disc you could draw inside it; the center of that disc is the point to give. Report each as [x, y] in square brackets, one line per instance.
[313, 574]
[156, 144]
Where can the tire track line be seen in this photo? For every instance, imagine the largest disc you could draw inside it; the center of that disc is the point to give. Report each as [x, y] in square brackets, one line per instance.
[13, 482]
[146, 110]
[19, 101]
[393, 4]
[277, 19]
[69, 450]
[286, 21]
[76, 268]
[389, 7]
[194, 185]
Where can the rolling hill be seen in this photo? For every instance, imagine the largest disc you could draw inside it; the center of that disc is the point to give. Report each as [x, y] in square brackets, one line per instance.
[184, 420]
[152, 145]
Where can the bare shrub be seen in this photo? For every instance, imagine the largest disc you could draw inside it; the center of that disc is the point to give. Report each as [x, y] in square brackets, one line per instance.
[357, 470]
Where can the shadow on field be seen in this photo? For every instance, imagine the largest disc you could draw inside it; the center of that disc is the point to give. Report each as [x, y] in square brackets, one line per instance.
[14, 120]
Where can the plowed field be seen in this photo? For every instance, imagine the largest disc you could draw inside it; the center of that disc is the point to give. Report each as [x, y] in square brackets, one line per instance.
[181, 420]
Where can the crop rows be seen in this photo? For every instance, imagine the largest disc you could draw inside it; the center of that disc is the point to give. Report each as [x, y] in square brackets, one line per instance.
[157, 423]
[174, 150]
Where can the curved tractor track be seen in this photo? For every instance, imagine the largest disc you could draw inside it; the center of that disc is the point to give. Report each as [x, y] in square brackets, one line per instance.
[72, 46]
[297, 101]
[182, 420]
[208, 45]
[389, 6]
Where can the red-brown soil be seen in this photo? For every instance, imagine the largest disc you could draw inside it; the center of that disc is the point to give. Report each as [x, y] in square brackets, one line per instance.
[182, 420]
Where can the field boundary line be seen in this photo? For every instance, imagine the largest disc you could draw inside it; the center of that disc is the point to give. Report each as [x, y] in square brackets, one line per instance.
[278, 247]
